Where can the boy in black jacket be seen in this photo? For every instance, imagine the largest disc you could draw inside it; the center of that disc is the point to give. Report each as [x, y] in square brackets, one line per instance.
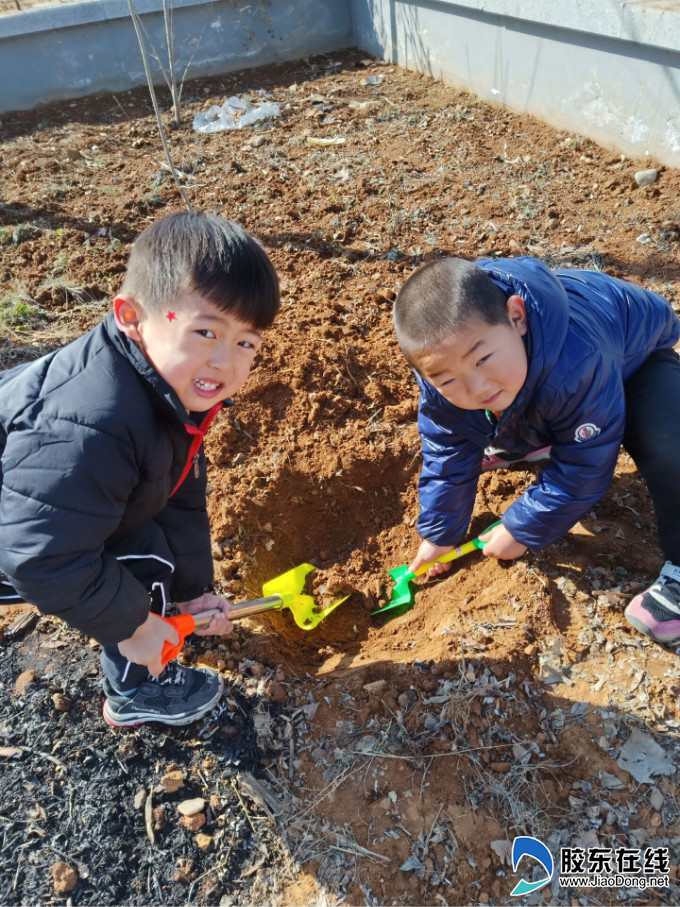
[102, 505]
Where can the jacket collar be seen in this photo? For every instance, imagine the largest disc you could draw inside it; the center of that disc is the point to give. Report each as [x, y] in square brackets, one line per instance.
[547, 306]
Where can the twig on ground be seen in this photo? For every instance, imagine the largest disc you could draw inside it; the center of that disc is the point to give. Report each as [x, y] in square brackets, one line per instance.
[148, 816]
[422, 782]
[329, 789]
[212, 869]
[243, 806]
[58, 762]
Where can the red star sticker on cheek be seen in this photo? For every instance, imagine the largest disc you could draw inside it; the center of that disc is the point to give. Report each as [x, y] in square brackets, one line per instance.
[171, 316]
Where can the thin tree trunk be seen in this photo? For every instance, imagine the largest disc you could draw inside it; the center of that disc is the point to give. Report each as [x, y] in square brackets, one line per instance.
[154, 101]
[170, 41]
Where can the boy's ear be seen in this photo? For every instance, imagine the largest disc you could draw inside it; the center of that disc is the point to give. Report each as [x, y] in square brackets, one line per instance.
[128, 316]
[517, 313]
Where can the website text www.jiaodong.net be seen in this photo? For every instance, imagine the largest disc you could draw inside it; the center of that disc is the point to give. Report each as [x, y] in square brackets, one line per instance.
[614, 881]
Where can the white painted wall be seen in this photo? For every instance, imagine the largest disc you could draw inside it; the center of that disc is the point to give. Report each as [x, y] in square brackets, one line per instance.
[609, 69]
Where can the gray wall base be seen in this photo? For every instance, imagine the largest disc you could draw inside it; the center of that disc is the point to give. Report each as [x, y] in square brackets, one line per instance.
[609, 69]
[53, 53]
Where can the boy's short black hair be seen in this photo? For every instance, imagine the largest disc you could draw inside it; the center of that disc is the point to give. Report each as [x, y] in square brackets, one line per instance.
[195, 252]
[439, 298]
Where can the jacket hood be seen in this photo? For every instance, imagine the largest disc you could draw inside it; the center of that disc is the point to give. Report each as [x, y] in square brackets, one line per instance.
[547, 307]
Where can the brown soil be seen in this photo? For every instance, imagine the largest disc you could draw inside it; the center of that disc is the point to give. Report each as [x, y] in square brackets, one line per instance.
[7, 7]
[406, 731]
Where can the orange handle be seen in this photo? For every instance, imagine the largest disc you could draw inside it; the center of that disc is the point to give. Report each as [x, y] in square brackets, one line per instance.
[184, 624]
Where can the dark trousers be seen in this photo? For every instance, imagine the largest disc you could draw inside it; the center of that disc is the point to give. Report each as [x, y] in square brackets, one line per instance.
[123, 674]
[652, 438]
[144, 553]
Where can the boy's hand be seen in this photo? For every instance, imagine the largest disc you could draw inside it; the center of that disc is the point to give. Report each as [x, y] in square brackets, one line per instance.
[145, 646]
[501, 544]
[219, 625]
[427, 552]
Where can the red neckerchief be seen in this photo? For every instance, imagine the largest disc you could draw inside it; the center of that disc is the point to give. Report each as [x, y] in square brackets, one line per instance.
[199, 434]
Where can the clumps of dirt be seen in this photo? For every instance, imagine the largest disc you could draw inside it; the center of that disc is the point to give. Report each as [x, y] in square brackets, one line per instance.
[328, 586]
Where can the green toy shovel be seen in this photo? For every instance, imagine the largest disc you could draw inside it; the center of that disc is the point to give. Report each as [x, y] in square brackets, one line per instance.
[402, 596]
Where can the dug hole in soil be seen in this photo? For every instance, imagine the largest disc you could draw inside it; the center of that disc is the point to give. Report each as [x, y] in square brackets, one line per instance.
[367, 761]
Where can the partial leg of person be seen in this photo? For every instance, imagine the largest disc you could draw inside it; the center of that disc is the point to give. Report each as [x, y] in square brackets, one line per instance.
[652, 438]
[179, 695]
[8, 594]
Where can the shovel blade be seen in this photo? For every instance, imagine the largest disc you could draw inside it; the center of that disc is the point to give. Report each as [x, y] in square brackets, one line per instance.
[402, 597]
[289, 586]
[292, 582]
[308, 615]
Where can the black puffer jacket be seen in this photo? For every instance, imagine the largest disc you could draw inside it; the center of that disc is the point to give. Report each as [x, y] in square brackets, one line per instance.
[93, 442]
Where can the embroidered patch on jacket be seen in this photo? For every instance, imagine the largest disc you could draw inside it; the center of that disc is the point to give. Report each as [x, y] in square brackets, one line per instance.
[587, 432]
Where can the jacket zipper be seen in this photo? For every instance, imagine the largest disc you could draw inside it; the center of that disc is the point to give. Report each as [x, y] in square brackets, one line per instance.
[194, 451]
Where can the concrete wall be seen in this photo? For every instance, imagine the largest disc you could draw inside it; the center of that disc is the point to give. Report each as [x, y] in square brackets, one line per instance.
[79, 49]
[609, 69]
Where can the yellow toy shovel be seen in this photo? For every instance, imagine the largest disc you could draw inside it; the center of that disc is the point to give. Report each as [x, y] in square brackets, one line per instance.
[285, 591]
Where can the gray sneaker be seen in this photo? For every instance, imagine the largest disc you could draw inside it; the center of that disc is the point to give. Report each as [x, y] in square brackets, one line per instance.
[177, 697]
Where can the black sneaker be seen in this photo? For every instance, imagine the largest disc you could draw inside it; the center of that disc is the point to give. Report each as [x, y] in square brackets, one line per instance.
[178, 696]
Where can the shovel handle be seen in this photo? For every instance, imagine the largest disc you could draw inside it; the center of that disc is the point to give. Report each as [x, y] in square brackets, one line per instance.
[458, 551]
[256, 606]
[184, 624]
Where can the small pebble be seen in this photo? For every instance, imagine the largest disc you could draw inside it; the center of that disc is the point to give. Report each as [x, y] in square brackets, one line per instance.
[193, 823]
[172, 781]
[191, 807]
[64, 877]
[646, 177]
[61, 703]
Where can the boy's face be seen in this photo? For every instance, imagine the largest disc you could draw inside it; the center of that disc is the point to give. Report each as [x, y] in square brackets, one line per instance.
[481, 366]
[203, 353]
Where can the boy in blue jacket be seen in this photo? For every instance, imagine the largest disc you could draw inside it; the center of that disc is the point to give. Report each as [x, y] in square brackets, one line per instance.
[510, 356]
[103, 514]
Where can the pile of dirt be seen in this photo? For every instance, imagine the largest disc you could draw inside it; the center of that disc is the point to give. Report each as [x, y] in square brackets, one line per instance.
[367, 761]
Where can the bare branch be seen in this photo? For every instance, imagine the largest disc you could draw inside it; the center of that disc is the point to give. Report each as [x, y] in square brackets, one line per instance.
[154, 101]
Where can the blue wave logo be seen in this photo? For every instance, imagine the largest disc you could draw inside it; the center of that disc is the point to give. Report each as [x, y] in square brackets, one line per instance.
[526, 846]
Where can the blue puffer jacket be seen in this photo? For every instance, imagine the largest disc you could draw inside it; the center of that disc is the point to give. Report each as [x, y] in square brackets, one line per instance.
[92, 443]
[587, 333]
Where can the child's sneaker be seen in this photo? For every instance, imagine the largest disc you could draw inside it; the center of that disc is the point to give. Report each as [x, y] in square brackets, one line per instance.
[501, 458]
[178, 696]
[656, 611]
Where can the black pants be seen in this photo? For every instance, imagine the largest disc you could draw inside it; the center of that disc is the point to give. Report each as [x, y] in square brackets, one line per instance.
[652, 438]
[143, 552]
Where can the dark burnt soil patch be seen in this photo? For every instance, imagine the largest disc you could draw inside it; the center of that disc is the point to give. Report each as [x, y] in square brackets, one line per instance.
[367, 761]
